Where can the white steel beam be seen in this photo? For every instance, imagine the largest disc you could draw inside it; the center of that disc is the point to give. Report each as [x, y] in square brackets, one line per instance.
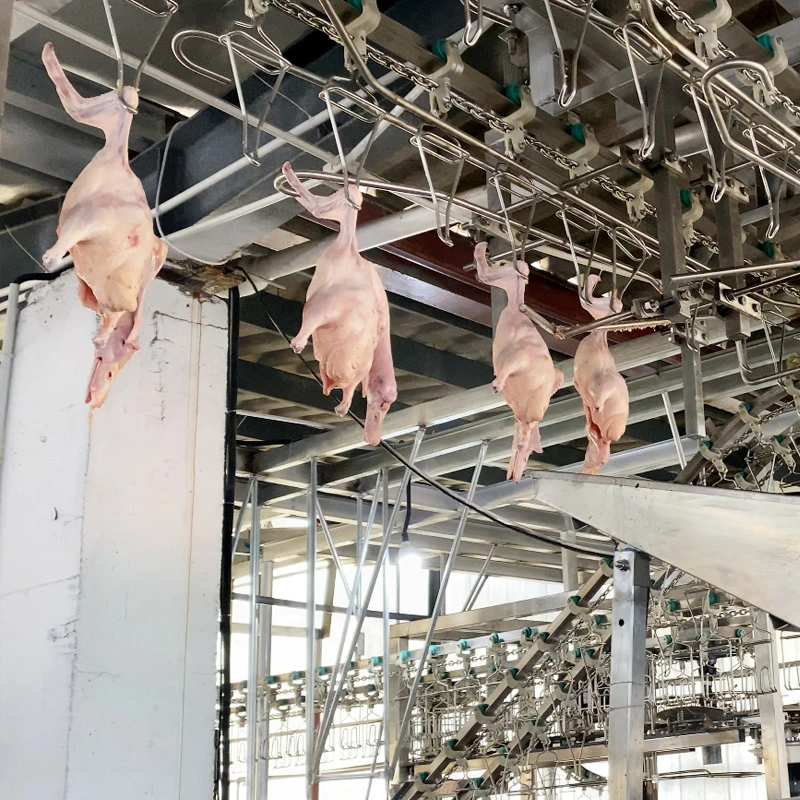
[401, 225]
[743, 542]
[472, 401]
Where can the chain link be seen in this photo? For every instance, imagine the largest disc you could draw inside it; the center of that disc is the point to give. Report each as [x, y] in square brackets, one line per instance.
[489, 118]
[680, 16]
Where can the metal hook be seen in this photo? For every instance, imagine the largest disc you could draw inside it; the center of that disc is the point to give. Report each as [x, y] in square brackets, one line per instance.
[774, 221]
[325, 94]
[450, 153]
[717, 175]
[166, 15]
[470, 39]
[569, 87]
[648, 134]
[115, 41]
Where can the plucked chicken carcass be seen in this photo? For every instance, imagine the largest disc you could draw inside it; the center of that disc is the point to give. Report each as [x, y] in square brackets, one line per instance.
[601, 387]
[523, 368]
[347, 314]
[105, 225]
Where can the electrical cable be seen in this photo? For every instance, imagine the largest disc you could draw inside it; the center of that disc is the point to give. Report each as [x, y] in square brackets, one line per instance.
[423, 476]
[407, 519]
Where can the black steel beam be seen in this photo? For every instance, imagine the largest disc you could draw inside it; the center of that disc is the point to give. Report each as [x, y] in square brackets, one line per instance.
[272, 430]
[296, 389]
[409, 356]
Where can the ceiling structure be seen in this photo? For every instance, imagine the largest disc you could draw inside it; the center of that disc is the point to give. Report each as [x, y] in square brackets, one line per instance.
[591, 194]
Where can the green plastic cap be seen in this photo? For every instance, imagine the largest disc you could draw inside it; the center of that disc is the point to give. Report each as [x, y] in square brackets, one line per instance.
[495, 637]
[405, 655]
[768, 248]
[765, 40]
[439, 49]
[512, 93]
[376, 661]
[577, 132]
[527, 632]
[463, 644]
[686, 198]
[673, 605]
[668, 638]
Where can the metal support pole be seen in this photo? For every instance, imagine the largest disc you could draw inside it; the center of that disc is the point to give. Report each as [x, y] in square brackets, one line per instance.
[398, 749]
[332, 547]
[569, 558]
[335, 693]
[667, 180]
[479, 581]
[770, 709]
[628, 663]
[311, 569]
[448, 568]
[668, 99]
[265, 665]
[673, 426]
[253, 656]
[386, 654]
[693, 408]
[729, 242]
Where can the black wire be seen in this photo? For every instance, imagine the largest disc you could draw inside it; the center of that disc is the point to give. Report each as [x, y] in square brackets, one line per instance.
[404, 532]
[423, 476]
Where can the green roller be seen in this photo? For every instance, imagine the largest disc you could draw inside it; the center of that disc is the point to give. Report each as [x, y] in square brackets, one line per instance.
[577, 132]
[439, 49]
[512, 93]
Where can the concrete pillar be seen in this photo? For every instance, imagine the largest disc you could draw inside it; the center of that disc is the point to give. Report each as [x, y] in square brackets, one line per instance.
[110, 538]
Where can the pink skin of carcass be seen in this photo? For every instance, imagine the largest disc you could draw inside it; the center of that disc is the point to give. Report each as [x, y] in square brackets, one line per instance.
[105, 225]
[523, 368]
[347, 314]
[601, 387]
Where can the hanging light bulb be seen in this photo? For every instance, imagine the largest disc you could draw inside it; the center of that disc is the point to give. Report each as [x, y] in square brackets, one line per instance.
[408, 555]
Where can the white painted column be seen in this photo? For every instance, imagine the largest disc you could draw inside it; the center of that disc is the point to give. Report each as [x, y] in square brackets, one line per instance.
[109, 555]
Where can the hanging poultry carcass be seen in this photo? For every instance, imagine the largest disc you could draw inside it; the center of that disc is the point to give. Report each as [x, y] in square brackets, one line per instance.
[106, 226]
[523, 368]
[601, 387]
[347, 313]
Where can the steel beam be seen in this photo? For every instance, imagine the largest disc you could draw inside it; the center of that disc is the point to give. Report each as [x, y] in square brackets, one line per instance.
[481, 617]
[718, 535]
[408, 355]
[593, 752]
[770, 709]
[628, 676]
[472, 401]
[456, 448]
[296, 389]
